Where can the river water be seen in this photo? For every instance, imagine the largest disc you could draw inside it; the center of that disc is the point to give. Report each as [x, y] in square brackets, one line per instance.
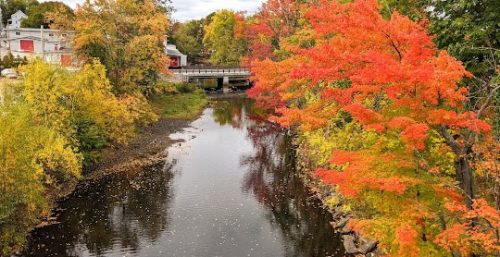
[227, 189]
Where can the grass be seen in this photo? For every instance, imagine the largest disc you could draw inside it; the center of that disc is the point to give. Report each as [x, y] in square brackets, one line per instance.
[181, 105]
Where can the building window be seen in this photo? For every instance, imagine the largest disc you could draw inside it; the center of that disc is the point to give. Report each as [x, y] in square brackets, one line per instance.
[51, 34]
[27, 45]
[18, 33]
[63, 35]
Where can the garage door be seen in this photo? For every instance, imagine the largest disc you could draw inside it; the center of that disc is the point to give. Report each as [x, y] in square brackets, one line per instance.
[27, 45]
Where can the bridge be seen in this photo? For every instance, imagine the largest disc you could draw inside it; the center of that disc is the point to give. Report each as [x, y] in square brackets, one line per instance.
[219, 78]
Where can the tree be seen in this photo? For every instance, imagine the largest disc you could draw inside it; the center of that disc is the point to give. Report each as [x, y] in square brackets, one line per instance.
[78, 104]
[51, 123]
[37, 14]
[189, 38]
[9, 7]
[33, 158]
[59, 19]
[8, 61]
[413, 9]
[275, 22]
[224, 47]
[469, 31]
[385, 81]
[111, 30]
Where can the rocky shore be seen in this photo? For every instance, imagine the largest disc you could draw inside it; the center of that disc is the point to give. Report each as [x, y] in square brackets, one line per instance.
[354, 243]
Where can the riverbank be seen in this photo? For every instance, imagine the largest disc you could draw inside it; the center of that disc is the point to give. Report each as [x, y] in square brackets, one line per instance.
[184, 106]
[354, 243]
[147, 148]
[176, 111]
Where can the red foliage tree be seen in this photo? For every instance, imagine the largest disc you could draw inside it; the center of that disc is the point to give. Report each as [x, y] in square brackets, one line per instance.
[275, 20]
[397, 79]
[389, 76]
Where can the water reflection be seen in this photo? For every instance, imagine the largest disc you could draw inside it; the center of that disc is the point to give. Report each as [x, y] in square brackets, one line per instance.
[230, 111]
[271, 178]
[230, 190]
[118, 213]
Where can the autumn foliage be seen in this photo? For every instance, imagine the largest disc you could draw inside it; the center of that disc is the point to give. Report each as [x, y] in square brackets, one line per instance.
[127, 37]
[55, 122]
[276, 19]
[388, 77]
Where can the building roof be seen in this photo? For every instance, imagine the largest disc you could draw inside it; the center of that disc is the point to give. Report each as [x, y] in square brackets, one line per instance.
[174, 52]
[32, 38]
[19, 12]
[38, 30]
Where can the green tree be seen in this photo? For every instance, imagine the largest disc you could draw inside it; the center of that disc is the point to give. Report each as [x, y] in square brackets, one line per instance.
[37, 15]
[189, 38]
[413, 9]
[224, 47]
[9, 7]
[8, 61]
[469, 30]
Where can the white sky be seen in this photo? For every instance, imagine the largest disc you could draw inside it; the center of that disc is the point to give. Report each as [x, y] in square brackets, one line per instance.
[196, 9]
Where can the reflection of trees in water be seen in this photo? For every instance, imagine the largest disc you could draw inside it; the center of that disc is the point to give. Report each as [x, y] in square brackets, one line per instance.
[271, 178]
[231, 111]
[122, 213]
[127, 213]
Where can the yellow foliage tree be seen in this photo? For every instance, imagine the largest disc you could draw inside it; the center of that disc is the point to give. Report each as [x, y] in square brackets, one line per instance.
[49, 124]
[220, 38]
[80, 106]
[32, 158]
[127, 37]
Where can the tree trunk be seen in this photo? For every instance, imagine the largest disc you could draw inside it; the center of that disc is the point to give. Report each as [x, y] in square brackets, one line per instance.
[463, 170]
[465, 178]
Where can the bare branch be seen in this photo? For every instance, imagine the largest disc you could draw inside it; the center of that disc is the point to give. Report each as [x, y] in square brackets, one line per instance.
[488, 100]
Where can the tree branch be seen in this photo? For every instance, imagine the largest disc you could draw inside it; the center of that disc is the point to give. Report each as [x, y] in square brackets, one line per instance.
[443, 130]
[488, 100]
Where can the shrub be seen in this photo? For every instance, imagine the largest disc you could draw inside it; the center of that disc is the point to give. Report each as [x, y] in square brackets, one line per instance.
[185, 87]
[31, 157]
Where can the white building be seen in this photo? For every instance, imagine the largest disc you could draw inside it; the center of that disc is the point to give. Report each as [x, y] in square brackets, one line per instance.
[15, 20]
[53, 46]
[177, 59]
[50, 45]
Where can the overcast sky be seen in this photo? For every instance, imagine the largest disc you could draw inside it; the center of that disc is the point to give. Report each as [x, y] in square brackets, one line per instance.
[196, 9]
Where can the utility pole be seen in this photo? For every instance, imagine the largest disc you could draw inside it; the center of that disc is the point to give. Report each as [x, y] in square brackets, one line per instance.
[42, 43]
[1, 34]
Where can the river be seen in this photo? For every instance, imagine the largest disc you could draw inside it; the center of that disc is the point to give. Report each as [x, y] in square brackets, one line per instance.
[229, 188]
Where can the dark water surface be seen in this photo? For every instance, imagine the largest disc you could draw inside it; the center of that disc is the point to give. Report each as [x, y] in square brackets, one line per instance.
[228, 190]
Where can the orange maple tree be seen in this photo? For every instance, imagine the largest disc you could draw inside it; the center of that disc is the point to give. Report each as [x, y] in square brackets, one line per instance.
[388, 76]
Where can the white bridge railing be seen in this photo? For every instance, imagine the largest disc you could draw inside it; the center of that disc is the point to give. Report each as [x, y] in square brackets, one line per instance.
[211, 71]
